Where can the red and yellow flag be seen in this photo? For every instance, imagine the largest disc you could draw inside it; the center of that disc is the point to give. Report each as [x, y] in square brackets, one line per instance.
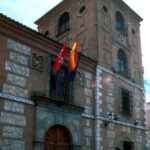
[74, 57]
[60, 59]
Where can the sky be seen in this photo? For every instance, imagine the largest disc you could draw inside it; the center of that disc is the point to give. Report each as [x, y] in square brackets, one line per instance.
[28, 11]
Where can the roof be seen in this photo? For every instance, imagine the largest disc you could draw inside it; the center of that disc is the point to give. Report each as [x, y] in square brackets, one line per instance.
[119, 1]
[47, 13]
[36, 35]
[136, 15]
[23, 27]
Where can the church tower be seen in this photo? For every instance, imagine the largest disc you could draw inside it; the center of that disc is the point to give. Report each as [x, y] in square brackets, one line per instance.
[109, 32]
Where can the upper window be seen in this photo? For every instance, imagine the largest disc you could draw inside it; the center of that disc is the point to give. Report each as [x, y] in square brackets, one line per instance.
[105, 9]
[126, 102]
[120, 23]
[122, 63]
[63, 23]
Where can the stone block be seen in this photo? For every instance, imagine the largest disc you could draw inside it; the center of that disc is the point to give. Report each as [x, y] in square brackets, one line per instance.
[88, 101]
[13, 107]
[18, 58]
[17, 69]
[88, 92]
[12, 119]
[87, 122]
[88, 141]
[13, 145]
[88, 75]
[21, 48]
[12, 132]
[88, 131]
[16, 91]
[88, 110]
[16, 80]
[88, 83]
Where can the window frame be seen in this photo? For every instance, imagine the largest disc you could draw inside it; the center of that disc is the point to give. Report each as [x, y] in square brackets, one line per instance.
[119, 22]
[122, 63]
[63, 23]
[126, 102]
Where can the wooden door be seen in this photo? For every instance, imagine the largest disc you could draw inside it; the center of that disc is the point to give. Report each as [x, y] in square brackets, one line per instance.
[58, 138]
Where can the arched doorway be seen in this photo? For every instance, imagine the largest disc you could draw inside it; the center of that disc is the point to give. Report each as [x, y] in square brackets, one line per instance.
[58, 138]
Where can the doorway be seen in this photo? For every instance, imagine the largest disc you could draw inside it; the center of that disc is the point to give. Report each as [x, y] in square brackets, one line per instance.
[58, 138]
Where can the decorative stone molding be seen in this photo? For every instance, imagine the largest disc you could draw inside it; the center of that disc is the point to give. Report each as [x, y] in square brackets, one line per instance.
[98, 109]
[16, 98]
[37, 62]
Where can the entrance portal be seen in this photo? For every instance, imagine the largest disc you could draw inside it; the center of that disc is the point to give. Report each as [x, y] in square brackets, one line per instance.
[58, 138]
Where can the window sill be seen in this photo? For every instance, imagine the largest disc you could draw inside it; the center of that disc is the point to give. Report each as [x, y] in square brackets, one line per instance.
[62, 33]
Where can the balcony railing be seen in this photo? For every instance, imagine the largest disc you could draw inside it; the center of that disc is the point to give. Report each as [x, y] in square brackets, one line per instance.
[58, 101]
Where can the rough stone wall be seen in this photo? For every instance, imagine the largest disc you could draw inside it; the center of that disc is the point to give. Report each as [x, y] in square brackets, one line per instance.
[110, 40]
[18, 116]
[110, 123]
[87, 119]
[3, 54]
[17, 68]
[15, 115]
[16, 121]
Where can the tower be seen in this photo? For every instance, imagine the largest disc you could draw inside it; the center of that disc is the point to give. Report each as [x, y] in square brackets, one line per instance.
[109, 32]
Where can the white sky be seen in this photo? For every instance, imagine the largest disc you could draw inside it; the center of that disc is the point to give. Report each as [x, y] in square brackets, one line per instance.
[27, 11]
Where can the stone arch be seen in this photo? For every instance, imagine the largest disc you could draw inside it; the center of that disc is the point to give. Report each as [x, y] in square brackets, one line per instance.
[58, 137]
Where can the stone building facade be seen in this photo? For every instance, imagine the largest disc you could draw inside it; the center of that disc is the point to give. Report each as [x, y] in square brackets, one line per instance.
[147, 116]
[103, 109]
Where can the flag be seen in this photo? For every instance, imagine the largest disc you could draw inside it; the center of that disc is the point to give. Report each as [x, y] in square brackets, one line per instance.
[74, 57]
[73, 62]
[60, 59]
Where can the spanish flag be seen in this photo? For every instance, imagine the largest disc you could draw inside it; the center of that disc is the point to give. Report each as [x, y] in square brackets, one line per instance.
[73, 62]
[74, 58]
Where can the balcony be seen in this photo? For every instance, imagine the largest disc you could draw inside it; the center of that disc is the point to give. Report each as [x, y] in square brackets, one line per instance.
[64, 99]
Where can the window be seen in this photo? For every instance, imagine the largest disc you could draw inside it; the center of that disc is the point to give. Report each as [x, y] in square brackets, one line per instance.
[63, 23]
[60, 87]
[82, 9]
[133, 31]
[128, 145]
[126, 102]
[120, 23]
[122, 64]
[105, 9]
